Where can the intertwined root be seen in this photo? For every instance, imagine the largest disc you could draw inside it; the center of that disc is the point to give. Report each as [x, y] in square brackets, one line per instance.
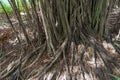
[73, 46]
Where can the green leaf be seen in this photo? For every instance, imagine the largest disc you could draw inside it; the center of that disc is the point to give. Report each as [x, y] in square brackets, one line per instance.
[116, 77]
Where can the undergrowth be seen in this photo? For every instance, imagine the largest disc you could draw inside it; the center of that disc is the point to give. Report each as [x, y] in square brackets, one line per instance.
[8, 8]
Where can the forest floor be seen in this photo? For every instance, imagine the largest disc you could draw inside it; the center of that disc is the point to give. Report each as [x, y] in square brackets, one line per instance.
[10, 47]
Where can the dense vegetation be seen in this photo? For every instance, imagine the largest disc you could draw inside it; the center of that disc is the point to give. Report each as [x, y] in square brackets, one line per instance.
[68, 38]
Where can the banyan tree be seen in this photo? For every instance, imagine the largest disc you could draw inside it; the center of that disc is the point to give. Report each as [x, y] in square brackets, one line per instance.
[71, 40]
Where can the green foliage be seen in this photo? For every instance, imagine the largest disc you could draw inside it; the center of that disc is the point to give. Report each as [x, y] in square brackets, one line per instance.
[114, 76]
[19, 5]
[7, 8]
